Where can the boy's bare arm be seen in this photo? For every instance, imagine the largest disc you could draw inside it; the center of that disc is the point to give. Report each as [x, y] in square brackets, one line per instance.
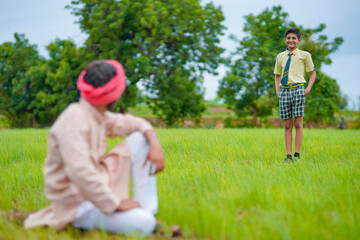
[155, 155]
[277, 84]
[311, 82]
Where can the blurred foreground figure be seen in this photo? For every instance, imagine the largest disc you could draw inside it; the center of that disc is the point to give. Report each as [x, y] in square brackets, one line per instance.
[87, 187]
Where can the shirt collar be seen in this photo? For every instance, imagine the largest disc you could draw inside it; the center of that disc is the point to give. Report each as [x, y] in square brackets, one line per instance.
[293, 52]
[98, 116]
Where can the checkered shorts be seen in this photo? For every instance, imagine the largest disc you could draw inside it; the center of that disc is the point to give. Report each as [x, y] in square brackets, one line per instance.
[291, 102]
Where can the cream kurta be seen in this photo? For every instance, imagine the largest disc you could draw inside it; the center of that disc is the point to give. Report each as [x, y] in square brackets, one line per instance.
[76, 170]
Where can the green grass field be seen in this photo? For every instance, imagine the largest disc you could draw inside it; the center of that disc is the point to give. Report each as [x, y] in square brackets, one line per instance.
[218, 184]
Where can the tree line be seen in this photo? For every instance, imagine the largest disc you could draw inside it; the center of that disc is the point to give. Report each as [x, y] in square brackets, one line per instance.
[165, 48]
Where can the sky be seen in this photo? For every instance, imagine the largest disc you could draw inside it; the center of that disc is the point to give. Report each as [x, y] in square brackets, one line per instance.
[44, 20]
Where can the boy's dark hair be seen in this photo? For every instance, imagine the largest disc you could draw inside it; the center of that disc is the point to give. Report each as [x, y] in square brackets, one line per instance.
[296, 31]
[98, 73]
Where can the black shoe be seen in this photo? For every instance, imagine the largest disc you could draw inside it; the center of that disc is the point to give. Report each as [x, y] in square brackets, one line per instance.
[288, 159]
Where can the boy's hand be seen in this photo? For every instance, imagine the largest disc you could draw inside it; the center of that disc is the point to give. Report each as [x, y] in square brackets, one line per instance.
[307, 91]
[127, 204]
[156, 157]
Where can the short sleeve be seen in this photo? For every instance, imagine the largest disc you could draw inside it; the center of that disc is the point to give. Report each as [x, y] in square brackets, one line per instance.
[278, 68]
[309, 65]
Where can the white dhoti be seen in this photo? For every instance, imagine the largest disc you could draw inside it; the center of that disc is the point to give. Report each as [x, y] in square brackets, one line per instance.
[138, 221]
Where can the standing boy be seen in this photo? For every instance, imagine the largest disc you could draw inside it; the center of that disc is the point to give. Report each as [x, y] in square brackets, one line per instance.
[290, 68]
[87, 187]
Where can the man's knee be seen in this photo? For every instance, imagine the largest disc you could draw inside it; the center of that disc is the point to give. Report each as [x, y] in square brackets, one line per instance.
[137, 136]
[137, 139]
[138, 145]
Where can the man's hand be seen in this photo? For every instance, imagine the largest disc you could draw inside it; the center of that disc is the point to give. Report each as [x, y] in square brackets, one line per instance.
[307, 91]
[155, 155]
[127, 204]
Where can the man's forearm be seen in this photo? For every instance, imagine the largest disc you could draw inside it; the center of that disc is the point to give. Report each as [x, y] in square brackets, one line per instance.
[152, 137]
[155, 154]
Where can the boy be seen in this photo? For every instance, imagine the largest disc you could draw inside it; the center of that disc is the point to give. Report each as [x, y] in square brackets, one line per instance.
[290, 68]
[88, 188]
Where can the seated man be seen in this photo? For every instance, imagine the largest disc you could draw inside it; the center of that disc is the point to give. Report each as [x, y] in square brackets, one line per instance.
[88, 188]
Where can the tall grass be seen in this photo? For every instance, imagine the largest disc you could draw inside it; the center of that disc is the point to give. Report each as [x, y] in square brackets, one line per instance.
[219, 184]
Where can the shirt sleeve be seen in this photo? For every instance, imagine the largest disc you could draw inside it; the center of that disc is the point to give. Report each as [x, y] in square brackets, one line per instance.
[278, 68]
[309, 65]
[81, 168]
[125, 124]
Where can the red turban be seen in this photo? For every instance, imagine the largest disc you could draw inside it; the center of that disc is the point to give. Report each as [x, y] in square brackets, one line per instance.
[107, 93]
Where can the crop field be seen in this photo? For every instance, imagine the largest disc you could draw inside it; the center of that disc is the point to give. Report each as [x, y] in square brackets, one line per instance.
[218, 184]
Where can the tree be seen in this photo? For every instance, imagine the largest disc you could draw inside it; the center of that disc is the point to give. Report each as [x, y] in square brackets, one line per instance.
[324, 100]
[165, 46]
[250, 78]
[15, 91]
[53, 83]
[34, 91]
[248, 86]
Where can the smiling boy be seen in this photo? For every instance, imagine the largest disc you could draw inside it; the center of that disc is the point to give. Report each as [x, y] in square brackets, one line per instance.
[290, 68]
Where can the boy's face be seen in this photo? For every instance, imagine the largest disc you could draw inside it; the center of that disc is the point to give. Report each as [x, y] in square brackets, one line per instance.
[292, 41]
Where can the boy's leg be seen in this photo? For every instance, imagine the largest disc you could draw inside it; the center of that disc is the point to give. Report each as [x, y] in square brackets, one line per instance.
[288, 125]
[298, 112]
[299, 133]
[143, 184]
[285, 112]
[135, 221]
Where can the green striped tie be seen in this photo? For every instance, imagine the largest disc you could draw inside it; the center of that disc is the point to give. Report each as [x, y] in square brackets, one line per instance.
[284, 78]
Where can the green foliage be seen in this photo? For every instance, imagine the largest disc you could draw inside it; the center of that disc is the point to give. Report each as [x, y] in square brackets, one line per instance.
[324, 99]
[320, 48]
[54, 82]
[15, 90]
[248, 86]
[357, 121]
[141, 110]
[165, 46]
[4, 122]
[34, 90]
[214, 103]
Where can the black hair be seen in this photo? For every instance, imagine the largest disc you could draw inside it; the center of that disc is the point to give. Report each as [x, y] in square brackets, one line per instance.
[296, 31]
[98, 73]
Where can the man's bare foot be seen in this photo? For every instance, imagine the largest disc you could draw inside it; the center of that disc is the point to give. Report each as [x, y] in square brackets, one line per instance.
[176, 231]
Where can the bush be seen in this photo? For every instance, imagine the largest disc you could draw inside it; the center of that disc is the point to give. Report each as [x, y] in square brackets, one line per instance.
[4, 122]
